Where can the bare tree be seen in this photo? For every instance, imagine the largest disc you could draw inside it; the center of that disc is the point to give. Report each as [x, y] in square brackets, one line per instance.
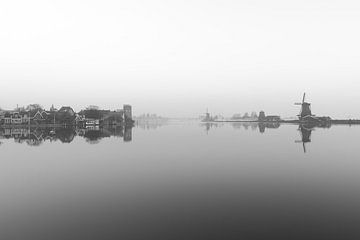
[34, 106]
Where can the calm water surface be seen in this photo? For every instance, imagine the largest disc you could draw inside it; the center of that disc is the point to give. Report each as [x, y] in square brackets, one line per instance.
[181, 180]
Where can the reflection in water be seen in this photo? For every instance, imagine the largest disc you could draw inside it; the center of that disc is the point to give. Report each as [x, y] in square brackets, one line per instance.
[305, 132]
[209, 125]
[246, 125]
[177, 182]
[150, 124]
[36, 136]
[305, 129]
[263, 126]
[305, 136]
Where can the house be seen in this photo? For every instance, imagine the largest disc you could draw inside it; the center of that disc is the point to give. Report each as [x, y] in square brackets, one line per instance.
[80, 120]
[2, 117]
[7, 118]
[14, 117]
[127, 113]
[92, 122]
[39, 116]
[272, 118]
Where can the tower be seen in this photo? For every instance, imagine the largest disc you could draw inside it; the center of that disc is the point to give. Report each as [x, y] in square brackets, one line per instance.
[262, 116]
[127, 113]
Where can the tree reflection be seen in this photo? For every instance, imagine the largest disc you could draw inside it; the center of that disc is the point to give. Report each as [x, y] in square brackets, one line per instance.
[37, 136]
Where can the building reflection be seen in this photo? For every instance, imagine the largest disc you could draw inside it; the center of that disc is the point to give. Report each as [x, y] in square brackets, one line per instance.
[254, 126]
[37, 136]
[150, 124]
[261, 126]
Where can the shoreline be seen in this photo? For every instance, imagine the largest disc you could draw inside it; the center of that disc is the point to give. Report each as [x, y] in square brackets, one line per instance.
[62, 125]
[334, 122]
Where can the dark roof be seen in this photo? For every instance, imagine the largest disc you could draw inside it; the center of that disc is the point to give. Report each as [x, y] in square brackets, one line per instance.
[66, 109]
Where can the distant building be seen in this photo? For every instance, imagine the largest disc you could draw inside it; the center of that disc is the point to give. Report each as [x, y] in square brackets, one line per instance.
[80, 120]
[262, 116]
[92, 122]
[271, 118]
[127, 113]
[53, 109]
[2, 116]
[39, 116]
[14, 117]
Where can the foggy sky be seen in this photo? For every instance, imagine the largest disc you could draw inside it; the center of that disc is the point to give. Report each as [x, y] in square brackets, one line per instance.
[177, 58]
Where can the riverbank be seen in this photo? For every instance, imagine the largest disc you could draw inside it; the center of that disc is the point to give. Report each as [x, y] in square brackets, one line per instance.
[335, 121]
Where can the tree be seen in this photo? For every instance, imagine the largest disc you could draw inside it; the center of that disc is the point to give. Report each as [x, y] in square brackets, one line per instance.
[92, 113]
[32, 107]
[254, 115]
[246, 115]
[236, 116]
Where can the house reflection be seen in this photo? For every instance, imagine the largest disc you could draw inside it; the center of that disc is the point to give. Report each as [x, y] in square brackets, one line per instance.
[36, 136]
[151, 124]
[262, 126]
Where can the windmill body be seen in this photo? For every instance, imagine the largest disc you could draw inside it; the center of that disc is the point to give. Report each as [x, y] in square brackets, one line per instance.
[305, 109]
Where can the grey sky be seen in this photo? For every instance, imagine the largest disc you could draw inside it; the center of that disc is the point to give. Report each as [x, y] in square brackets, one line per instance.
[177, 58]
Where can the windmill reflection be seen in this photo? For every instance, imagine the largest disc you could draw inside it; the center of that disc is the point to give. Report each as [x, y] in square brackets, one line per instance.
[306, 130]
[209, 125]
[305, 133]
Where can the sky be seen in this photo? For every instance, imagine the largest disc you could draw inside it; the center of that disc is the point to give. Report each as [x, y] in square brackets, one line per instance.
[178, 58]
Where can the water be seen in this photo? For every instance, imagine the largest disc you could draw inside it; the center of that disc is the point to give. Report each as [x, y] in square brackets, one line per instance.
[181, 180]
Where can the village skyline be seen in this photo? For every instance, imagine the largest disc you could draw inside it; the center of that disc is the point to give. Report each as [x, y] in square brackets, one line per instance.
[35, 114]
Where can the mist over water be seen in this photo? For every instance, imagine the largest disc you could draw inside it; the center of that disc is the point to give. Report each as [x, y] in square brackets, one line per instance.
[184, 180]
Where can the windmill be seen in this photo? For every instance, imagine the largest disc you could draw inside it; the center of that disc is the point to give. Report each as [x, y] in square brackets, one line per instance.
[305, 109]
[208, 117]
